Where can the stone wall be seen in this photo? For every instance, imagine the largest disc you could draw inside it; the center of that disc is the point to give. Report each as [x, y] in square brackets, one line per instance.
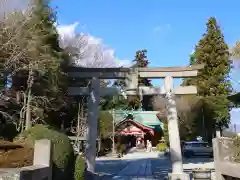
[41, 168]
[224, 159]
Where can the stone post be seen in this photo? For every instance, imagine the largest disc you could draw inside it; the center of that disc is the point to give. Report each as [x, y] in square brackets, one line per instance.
[43, 155]
[218, 133]
[217, 160]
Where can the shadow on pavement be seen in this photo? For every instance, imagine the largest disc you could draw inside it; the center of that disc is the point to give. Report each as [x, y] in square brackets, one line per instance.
[160, 167]
[197, 160]
[110, 168]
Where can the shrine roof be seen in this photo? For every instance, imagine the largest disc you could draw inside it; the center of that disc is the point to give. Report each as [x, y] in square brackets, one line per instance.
[123, 124]
[146, 118]
[136, 123]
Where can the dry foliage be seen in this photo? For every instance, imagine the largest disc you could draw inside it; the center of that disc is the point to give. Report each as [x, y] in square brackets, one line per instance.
[14, 155]
[184, 104]
[84, 52]
[186, 112]
[10, 6]
[235, 51]
[23, 50]
[18, 50]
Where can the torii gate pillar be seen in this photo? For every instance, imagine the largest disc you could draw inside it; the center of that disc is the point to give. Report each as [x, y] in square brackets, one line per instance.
[94, 92]
[92, 123]
[173, 129]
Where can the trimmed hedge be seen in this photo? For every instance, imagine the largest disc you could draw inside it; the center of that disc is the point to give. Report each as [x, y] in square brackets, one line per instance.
[79, 168]
[63, 154]
[121, 148]
[161, 147]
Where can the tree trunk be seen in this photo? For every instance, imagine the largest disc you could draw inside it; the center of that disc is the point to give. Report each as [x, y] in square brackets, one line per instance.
[28, 112]
[78, 126]
[81, 121]
[62, 125]
[78, 119]
[22, 114]
[18, 97]
[29, 97]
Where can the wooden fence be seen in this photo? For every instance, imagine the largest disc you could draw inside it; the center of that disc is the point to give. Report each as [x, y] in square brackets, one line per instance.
[226, 158]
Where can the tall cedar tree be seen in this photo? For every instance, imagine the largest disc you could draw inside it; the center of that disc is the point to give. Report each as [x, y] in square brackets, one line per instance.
[54, 80]
[141, 61]
[44, 13]
[212, 82]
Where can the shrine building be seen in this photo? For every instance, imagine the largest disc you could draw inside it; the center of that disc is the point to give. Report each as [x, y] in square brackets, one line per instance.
[138, 126]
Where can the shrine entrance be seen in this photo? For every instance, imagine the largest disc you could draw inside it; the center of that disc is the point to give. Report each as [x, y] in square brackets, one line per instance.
[129, 140]
[133, 133]
[148, 136]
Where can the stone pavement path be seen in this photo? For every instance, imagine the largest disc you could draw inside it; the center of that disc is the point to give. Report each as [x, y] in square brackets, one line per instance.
[144, 166]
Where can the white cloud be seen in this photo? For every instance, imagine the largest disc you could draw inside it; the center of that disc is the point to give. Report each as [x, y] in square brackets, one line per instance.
[162, 28]
[67, 30]
[235, 110]
[157, 28]
[90, 45]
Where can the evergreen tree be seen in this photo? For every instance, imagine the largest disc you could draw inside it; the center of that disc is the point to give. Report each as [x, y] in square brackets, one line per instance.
[141, 61]
[212, 82]
[54, 80]
[45, 20]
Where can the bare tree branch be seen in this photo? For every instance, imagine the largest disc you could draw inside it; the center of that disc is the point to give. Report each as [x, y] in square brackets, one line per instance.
[10, 6]
[22, 49]
[184, 106]
[84, 52]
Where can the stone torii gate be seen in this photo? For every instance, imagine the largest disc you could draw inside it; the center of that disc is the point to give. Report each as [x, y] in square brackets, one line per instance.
[94, 91]
[168, 73]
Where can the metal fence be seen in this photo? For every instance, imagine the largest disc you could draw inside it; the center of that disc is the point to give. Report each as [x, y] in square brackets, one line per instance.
[234, 128]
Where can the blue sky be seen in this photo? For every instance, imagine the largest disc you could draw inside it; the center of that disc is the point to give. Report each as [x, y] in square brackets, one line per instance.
[169, 30]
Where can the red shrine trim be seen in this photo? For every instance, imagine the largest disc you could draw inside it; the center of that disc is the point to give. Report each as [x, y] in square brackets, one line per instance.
[133, 132]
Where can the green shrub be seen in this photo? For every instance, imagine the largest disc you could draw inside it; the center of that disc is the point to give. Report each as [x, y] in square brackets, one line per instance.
[79, 168]
[121, 148]
[161, 147]
[63, 154]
